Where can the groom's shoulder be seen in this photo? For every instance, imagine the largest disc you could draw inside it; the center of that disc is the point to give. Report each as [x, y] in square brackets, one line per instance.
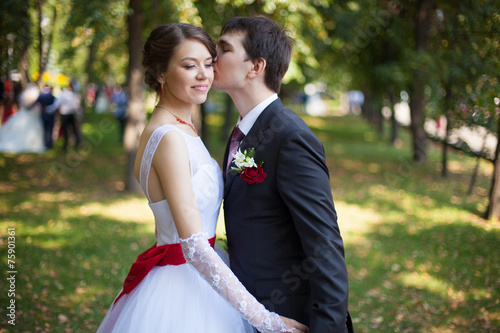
[291, 120]
[284, 122]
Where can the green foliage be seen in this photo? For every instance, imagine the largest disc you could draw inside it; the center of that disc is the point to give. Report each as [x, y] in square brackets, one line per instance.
[353, 43]
[98, 27]
[359, 44]
[466, 63]
[14, 33]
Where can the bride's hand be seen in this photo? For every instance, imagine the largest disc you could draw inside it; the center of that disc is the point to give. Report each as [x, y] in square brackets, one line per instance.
[294, 326]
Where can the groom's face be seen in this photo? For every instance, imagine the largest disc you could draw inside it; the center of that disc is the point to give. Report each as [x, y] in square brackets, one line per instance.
[232, 64]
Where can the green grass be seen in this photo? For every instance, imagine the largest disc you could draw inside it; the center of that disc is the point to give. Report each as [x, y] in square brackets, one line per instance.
[420, 259]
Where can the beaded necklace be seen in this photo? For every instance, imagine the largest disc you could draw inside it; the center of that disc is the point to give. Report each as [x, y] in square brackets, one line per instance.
[179, 119]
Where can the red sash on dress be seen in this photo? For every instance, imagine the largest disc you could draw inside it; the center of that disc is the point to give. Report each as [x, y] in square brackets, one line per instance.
[168, 254]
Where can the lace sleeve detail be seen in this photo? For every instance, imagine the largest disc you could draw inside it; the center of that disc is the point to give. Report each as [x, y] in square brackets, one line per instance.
[198, 253]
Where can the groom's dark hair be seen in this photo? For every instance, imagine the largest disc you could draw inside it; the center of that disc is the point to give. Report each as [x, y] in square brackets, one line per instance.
[265, 39]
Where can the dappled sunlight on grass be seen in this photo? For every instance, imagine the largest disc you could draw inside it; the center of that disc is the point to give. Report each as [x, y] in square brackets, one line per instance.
[441, 329]
[58, 197]
[458, 167]
[51, 238]
[354, 219]
[352, 165]
[315, 122]
[428, 262]
[413, 238]
[130, 209]
[7, 188]
[423, 280]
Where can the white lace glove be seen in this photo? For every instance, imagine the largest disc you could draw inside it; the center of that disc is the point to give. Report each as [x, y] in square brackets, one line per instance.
[198, 253]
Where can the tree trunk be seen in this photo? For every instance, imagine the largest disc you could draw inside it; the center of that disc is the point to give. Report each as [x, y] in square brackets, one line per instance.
[476, 169]
[50, 38]
[378, 119]
[136, 116]
[155, 6]
[23, 59]
[419, 137]
[88, 71]
[39, 5]
[24, 65]
[394, 122]
[367, 107]
[447, 112]
[45, 54]
[444, 162]
[417, 95]
[494, 206]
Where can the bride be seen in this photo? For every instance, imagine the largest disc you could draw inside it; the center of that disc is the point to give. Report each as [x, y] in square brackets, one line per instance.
[181, 284]
[23, 132]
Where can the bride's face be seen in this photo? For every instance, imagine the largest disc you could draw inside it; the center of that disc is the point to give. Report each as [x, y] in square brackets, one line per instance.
[190, 73]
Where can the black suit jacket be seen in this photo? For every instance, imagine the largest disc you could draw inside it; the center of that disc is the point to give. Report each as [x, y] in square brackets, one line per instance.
[283, 239]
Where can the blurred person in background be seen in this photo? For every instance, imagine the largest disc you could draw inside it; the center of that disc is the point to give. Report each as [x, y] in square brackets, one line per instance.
[9, 100]
[68, 104]
[48, 105]
[23, 131]
[120, 102]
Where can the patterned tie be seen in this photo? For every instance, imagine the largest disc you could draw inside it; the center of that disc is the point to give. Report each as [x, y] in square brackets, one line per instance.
[233, 145]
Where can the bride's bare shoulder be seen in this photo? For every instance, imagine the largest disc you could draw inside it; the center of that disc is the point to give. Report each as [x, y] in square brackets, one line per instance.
[169, 140]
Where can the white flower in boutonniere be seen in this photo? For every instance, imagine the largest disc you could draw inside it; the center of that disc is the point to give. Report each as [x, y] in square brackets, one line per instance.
[249, 171]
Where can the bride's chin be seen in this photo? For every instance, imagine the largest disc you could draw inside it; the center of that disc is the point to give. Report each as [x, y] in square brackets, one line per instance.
[200, 100]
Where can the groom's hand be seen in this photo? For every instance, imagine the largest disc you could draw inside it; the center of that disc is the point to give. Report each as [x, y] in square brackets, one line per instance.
[294, 326]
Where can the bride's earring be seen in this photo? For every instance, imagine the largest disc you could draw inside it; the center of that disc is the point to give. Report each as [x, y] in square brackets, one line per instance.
[161, 88]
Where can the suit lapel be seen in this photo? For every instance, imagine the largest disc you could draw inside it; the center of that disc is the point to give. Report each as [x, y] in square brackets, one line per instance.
[253, 139]
[226, 152]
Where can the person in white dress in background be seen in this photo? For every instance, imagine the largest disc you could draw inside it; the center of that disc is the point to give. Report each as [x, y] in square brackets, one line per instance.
[181, 284]
[23, 131]
[102, 102]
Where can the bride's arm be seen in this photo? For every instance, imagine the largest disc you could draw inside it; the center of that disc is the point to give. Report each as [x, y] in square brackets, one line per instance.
[171, 163]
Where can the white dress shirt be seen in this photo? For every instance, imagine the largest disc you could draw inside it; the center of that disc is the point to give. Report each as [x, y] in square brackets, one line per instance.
[246, 123]
[68, 102]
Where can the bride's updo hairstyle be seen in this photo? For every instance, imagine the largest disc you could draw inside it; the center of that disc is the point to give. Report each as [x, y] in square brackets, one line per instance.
[161, 45]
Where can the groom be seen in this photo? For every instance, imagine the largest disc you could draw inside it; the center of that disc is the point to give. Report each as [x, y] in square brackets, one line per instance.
[284, 242]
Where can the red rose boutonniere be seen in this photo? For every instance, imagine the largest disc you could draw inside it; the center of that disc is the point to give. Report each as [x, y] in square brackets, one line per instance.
[249, 171]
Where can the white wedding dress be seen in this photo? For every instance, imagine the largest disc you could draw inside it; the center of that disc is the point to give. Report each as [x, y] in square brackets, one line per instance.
[23, 131]
[177, 298]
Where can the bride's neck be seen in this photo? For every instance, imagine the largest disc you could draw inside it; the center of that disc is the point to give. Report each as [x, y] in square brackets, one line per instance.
[182, 111]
